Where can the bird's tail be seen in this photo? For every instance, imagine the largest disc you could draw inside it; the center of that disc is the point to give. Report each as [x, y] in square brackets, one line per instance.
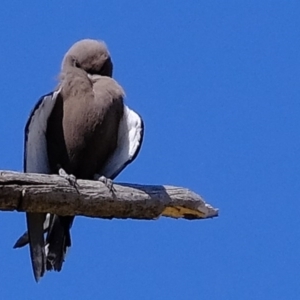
[57, 242]
[24, 239]
[35, 223]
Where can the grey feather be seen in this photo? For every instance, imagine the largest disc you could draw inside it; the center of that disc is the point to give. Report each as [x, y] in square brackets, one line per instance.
[83, 128]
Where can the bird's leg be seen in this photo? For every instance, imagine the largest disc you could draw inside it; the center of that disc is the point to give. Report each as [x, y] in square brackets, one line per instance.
[71, 178]
[107, 182]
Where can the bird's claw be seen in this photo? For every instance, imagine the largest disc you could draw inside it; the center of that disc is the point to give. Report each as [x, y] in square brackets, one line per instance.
[71, 178]
[108, 183]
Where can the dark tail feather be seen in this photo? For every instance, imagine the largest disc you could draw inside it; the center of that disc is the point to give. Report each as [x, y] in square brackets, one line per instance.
[57, 241]
[24, 239]
[36, 243]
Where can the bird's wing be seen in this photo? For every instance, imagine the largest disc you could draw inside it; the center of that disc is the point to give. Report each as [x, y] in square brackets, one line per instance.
[35, 148]
[130, 138]
[36, 161]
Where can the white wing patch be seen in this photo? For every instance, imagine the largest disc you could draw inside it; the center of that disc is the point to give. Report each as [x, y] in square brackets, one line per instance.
[36, 157]
[130, 138]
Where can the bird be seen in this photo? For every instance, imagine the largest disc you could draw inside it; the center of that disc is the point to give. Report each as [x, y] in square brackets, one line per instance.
[81, 130]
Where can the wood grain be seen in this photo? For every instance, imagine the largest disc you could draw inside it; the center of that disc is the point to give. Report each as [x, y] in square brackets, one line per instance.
[54, 194]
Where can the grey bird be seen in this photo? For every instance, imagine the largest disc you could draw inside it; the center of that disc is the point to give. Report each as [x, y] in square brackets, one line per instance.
[81, 129]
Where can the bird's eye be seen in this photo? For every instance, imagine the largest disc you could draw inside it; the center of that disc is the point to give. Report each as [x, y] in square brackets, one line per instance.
[77, 65]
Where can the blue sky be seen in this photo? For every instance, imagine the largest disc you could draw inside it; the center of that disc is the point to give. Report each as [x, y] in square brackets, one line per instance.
[217, 84]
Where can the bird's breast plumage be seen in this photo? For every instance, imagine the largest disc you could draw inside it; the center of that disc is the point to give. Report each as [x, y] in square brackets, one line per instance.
[82, 130]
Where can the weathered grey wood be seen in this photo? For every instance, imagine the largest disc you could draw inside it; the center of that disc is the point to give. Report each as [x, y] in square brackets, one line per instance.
[53, 194]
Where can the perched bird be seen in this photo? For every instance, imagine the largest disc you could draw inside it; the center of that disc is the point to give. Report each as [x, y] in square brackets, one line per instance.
[81, 129]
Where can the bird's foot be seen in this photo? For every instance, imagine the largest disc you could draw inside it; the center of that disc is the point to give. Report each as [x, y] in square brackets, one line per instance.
[71, 178]
[107, 182]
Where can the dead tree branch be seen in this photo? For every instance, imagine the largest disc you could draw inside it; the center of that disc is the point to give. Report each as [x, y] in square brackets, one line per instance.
[54, 194]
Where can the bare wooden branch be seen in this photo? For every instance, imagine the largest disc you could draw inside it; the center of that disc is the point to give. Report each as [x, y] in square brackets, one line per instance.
[54, 194]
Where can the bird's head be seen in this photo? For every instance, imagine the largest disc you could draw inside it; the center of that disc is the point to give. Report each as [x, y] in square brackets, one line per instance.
[91, 55]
